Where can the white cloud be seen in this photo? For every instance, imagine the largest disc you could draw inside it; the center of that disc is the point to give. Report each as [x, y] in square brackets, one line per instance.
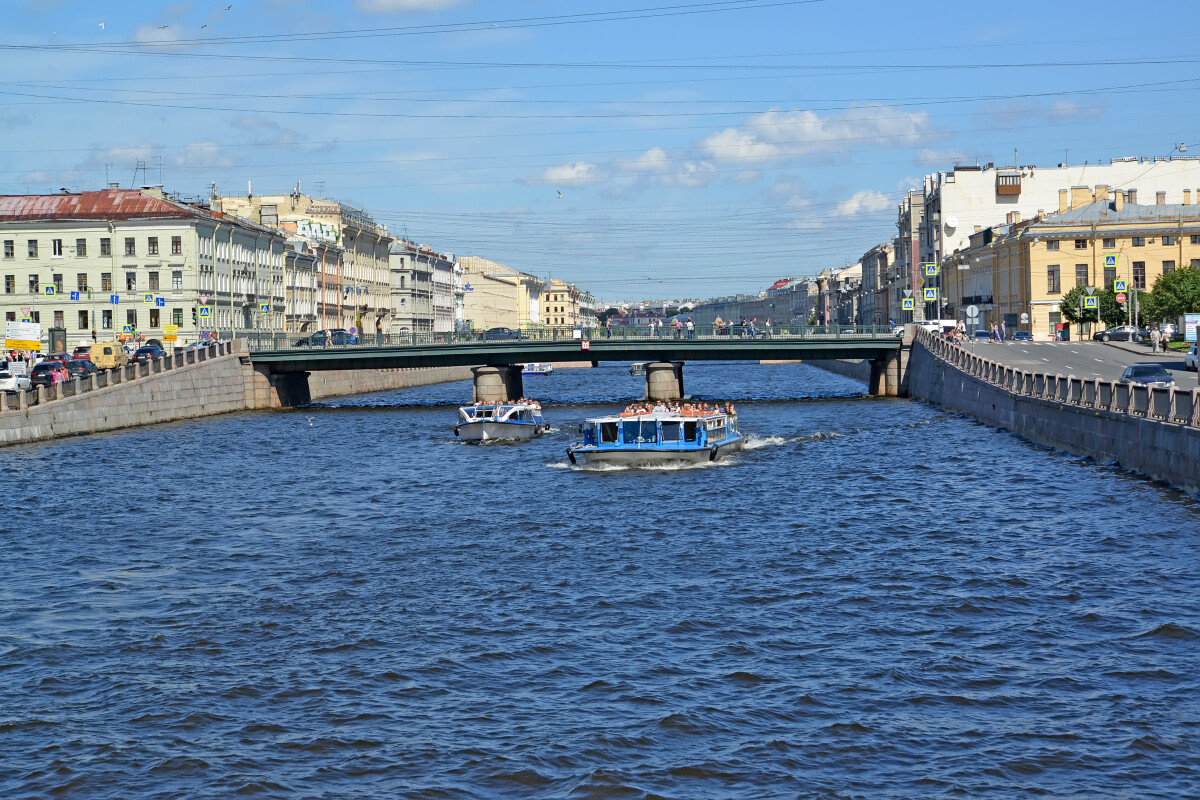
[654, 161]
[691, 174]
[405, 6]
[775, 135]
[575, 173]
[866, 201]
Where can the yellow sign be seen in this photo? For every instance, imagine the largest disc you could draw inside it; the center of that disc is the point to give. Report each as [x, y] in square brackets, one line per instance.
[23, 336]
[170, 333]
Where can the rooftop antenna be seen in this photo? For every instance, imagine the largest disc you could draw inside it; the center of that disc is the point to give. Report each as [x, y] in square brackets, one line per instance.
[295, 195]
[249, 190]
[140, 165]
[320, 185]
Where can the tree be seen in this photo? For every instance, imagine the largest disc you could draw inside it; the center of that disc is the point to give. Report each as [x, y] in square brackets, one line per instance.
[1111, 312]
[1175, 293]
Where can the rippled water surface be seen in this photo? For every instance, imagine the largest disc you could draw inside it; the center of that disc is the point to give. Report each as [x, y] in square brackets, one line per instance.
[875, 599]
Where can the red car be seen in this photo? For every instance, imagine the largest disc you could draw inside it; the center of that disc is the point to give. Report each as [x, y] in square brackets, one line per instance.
[61, 357]
[82, 353]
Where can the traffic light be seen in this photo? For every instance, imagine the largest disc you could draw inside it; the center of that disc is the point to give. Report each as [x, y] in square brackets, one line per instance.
[195, 318]
[93, 334]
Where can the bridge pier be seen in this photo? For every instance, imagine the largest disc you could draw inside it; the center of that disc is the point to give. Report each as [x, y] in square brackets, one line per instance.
[888, 375]
[497, 384]
[664, 380]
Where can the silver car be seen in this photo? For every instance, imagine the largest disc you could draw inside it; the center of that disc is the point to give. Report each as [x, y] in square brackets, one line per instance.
[13, 381]
[1189, 360]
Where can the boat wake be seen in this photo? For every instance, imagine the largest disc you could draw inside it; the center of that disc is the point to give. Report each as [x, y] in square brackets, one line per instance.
[759, 442]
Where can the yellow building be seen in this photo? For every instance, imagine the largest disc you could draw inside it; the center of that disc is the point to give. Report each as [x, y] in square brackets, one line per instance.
[499, 296]
[561, 305]
[1018, 273]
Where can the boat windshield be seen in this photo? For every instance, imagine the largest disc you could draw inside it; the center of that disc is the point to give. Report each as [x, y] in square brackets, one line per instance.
[640, 431]
[671, 431]
[608, 432]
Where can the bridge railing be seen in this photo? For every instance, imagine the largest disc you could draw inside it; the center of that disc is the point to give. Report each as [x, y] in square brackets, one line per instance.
[274, 341]
[1168, 404]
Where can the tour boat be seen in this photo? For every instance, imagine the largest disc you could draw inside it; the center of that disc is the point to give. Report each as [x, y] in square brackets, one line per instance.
[494, 421]
[657, 438]
[637, 368]
[537, 369]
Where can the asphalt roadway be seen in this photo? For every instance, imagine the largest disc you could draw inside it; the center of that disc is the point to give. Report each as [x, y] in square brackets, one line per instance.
[1086, 359]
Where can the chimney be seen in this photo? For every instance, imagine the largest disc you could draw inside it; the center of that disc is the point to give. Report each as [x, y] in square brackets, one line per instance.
[1080, 196]
[1187, 197]
[1160, 199]
[1064, 204]
[1118, 200]
[1102, 192]
[114, 185]
[1131, 197]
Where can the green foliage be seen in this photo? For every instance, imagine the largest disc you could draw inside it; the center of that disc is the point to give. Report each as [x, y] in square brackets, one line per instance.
[1175, 294]
[1111, 312]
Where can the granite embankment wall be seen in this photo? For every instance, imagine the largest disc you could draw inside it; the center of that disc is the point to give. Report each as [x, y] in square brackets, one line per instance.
[859, 370]
[1153, 432]
[190, 385]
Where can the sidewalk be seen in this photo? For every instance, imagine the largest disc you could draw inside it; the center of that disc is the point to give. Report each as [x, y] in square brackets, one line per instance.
[1143, 348]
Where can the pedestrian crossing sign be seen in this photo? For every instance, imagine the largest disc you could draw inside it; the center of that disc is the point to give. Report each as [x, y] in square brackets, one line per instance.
[49, 291]
[1089, 302]
[931, 295]
[205, 312]
[907, 304]
[931, 269]
[1118, 286]
[1110, 260]
[264, 308]
[127, 329]
[148, 299]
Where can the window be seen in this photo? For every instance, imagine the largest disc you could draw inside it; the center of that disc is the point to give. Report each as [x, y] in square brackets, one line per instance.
[1081, 274]
[1168, 266]
[81, 281]
[106, 281]
[80, 248]
[1139, 275]
[56, 248]
[33, 248]
[1195, 240]
[58, 320]
[130, 249]
[37, 316]
[176, 316]
[10, 246]
[106, 319]
[1081, 244]
[1111, 244]
[10, 316]
[58, 283]
[1055, 318]
[1052, 244]
[154, 318]
[1052, 283]
[152, 245]
[1196, 263]
[33, 284]
[106, 247]
[153, 285]
[1139, 241]
[131, 281]
[1110, 275]
[10, 284]
[131, 318]
[176, 245]
[1168, 240]
[83, 321]
[177, 280]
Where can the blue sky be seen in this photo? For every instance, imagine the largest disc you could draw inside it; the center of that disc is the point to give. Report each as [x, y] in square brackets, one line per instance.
[701, 148]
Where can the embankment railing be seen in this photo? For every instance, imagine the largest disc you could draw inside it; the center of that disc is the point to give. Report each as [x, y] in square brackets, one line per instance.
[73, 387]
[1168, 404]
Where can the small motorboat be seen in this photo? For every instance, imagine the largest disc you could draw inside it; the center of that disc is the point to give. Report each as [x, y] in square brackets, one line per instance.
[488, 422]
[537, 369]
[637, 368]
[658, 437]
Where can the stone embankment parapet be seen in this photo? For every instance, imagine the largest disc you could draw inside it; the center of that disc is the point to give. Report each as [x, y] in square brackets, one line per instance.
[1151, 430]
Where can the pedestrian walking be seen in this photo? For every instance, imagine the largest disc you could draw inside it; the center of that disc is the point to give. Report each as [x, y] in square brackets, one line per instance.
[678, 328]
[768, 327]
[1003, 331]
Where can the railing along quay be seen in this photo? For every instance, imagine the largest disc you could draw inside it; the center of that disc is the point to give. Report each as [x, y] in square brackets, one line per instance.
[79, 385]
[1167, 404]
[268, 341]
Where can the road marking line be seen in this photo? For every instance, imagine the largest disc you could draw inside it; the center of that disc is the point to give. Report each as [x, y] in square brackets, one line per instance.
[1046, 360]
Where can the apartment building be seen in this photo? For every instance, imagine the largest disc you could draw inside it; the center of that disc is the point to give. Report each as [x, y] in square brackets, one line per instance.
[1018, 273]
[500, 296]
[103, 260]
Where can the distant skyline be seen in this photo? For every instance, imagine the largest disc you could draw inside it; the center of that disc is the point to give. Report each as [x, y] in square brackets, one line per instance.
[648, 150]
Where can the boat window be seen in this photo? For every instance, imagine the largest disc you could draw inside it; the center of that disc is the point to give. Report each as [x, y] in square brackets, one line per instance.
[689, 431]
[589, 434]
[526, 415]
[608, 432]
[671, 431]
[716, 434]
[640, 432]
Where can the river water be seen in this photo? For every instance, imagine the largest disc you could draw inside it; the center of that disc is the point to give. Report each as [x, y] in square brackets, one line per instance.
[344, 602]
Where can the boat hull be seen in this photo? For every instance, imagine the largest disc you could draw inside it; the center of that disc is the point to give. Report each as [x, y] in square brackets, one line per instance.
[488, 431]
[632, 456]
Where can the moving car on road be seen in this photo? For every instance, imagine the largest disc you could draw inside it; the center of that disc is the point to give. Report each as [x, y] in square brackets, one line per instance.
[80, 368]
[1147, 375]
[1121, 333]
[497, 334]
[1022, 336]
[147, 352]
[83, 352]
[1189, 360]
[43, 373]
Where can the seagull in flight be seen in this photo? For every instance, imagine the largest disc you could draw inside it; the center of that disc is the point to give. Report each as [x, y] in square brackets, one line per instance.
[310, 420]
[163, 27]
[101, 26]
[560, 194]
[228, 7]
[202, 27]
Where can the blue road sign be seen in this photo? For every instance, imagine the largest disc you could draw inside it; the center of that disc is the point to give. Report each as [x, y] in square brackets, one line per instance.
[906, 304]
[931, 269]
[1089, 302]
[205, 312]
[127, 329]
[264, 308]
[49, 291]
[115, 299]
[930, 295]
[74, 295]
[161, 302]
[1119, 286]
[1110, 261]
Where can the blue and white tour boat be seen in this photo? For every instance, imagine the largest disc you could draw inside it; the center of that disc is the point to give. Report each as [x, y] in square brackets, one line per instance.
[486, 422]
[537, 369]
[649, 435]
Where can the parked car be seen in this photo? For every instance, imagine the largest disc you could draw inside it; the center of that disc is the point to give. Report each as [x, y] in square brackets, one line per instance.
[11, 381]
[43, 372]
[1122, 333]
[1147, 375]
[79, 368]
[146, 353]
[61, 358]
[83, 352]
[497, 334]
[1022, 336]
[199, 344]
[108, 355]
[1189, 360]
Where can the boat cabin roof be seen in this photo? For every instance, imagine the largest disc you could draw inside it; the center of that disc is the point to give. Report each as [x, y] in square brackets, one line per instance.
[660, 416]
